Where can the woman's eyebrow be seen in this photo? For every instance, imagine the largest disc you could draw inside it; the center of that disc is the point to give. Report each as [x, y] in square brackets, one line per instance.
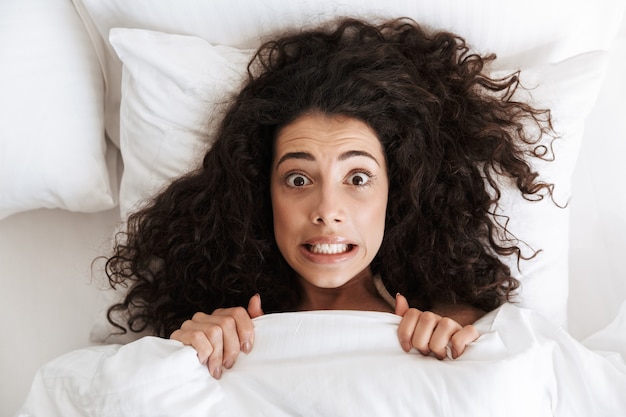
[352, 154]
[308, 157]
[295, 155]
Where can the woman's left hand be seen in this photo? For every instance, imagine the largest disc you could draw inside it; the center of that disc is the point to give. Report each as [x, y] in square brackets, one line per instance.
[431, 333]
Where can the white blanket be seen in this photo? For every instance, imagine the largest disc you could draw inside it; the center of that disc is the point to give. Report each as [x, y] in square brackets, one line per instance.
[346, 363]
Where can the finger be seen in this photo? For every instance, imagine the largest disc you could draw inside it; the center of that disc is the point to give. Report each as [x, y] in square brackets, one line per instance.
[196, 339]
[445, 329]
[406, 328]
[254, 311]
[215, 362]
[220, 330]
[402, 305]
[461, 339]
[237, 330]
[424, 330]
[200, 317]
[254, 306]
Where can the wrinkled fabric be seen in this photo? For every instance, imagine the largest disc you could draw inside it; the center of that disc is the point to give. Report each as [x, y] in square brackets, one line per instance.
[345, 363]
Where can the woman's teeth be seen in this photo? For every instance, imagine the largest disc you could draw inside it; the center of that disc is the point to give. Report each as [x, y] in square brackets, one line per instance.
[329, 248]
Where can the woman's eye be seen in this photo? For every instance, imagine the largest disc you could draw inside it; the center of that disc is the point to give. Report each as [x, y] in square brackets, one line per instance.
[359, 178]
[297, 180]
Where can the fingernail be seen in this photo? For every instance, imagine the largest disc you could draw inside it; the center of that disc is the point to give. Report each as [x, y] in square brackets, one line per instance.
[406, 346]
[454, 353]
[228, 364]
[217, 372]
[246, 347]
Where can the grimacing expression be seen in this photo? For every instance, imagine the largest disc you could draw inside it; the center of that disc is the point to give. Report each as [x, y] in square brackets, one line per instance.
[329, 191]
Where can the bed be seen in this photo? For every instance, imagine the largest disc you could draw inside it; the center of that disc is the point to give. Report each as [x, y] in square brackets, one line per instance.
[101, 101]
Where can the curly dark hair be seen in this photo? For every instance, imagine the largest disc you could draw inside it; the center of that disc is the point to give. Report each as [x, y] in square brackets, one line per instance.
[453, 137]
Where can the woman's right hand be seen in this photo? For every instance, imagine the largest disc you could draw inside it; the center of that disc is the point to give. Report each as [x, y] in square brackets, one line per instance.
[219, 337]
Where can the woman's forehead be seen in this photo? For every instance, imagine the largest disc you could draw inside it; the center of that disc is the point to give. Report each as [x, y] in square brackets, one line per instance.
[321, 134]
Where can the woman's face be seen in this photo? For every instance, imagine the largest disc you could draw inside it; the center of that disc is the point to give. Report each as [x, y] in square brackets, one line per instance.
[329, 197]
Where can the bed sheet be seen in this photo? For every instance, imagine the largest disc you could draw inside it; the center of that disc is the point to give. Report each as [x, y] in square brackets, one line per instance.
[345, 363]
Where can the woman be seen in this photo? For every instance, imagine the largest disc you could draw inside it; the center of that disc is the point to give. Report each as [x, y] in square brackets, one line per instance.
[356, 161]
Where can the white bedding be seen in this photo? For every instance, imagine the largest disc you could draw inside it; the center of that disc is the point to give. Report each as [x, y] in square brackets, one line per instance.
[48, 301]
[346, 364]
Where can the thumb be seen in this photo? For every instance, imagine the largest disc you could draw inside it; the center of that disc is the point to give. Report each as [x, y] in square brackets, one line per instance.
[254, 306]
[402, 305]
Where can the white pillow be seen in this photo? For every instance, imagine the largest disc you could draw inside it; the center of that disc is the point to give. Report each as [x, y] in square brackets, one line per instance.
[173, 87]
[534, 36]
[569, 88]
[173, 90]
[52, 145]
[170, 81]
[535, 33]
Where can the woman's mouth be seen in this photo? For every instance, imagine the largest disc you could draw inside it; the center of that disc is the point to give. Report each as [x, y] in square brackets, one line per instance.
[329, 248]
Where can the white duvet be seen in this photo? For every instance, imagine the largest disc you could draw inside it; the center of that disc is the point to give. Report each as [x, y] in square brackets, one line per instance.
[347, 363]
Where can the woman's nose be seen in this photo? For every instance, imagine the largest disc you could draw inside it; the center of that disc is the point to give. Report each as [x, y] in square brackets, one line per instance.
[328, 206]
